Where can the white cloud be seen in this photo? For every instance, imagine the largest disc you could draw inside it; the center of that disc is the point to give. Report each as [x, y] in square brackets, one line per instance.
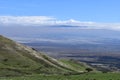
[47, 20]
[25, 19]
[65, 41]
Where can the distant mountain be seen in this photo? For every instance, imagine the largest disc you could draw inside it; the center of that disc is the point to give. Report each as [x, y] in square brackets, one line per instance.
[82, 27]
[17, 59]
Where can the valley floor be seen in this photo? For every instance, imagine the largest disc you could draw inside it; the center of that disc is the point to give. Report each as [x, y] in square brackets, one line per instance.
[87, 76]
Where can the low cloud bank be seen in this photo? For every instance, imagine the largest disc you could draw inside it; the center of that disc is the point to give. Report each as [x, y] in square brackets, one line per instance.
[48, 21]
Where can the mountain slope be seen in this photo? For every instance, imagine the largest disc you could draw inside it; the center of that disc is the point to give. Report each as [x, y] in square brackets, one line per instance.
[18, 59]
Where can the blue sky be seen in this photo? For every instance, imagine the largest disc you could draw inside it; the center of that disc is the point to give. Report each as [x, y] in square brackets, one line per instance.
[82, 10]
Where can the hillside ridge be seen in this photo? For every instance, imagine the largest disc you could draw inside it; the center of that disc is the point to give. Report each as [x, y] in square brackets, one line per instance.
[18, 59]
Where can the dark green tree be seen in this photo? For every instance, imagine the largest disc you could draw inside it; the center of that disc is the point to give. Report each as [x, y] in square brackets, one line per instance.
[89, 69]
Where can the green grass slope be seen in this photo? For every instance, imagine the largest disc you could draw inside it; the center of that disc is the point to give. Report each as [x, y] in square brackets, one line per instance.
[76, 65]
[17, 59]
[87, 76]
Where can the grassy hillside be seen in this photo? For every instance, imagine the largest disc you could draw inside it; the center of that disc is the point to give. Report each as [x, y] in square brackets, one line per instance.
[17, 59]
[87, 76]
[76, 65]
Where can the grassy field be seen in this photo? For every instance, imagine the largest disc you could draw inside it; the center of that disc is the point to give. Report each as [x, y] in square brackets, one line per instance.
[86, 76]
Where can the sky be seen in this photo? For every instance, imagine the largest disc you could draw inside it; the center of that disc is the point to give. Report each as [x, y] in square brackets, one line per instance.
[103, 11]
